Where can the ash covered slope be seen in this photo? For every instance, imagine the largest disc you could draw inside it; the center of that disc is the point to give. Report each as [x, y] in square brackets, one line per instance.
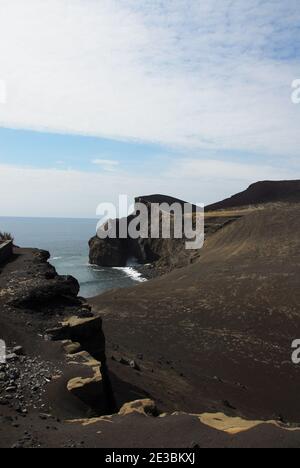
[261, 193]
[217, 335]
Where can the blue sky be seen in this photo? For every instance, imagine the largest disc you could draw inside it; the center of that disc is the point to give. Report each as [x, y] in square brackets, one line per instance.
[186, 97]
[67, 151]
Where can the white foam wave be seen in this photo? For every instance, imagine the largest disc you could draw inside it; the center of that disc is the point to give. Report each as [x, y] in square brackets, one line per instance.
[132, 273]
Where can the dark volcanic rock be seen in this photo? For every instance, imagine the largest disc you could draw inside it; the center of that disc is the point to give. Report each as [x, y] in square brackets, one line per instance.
[36, 294]
[166, 253]
[37, 284]
[149, 199]
[108, 252]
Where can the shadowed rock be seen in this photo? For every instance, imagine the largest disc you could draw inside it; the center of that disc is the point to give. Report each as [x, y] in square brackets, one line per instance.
[166, 253]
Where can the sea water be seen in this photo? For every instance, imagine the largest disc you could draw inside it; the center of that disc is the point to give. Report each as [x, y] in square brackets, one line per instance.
[67, 242]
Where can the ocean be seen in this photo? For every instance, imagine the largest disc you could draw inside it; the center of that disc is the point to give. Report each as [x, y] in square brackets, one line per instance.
[67, 242]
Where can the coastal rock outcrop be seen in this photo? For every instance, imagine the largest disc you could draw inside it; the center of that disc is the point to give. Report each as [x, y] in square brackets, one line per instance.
[108, 252]
[164, 252]
[37, 285]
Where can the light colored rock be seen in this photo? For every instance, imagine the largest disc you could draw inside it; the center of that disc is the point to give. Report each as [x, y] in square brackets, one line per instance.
[83, 357]
[146, 407]
[231, 425]
[79, 382]
[91, 421]
[18, 350]
[11, 357]
[71, 347]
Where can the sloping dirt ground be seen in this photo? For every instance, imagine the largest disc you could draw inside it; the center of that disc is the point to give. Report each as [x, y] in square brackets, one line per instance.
[217, 336]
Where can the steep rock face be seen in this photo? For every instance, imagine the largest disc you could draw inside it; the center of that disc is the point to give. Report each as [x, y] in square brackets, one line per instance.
[6, 251]
[117, 252]
[95, 391]
[108, 252]
[88, 332]
[166, 252]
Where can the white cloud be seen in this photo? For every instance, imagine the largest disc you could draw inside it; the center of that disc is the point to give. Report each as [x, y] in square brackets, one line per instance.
[27, 191]
[70, 193]
[106, 164]
[209, 169]
[2, 92]
[197, 74]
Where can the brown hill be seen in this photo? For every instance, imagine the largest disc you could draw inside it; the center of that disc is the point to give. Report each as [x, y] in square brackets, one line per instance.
[261, 193]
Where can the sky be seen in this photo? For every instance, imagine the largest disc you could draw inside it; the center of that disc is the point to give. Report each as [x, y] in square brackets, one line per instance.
[190, 98]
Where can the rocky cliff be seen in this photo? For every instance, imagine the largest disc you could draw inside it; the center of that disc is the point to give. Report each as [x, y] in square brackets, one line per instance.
[56, 361]
[165, 252]
[164, 255]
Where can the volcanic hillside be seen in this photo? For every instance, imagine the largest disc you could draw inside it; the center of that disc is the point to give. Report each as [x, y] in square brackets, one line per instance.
[260, 193]
[217, 335]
